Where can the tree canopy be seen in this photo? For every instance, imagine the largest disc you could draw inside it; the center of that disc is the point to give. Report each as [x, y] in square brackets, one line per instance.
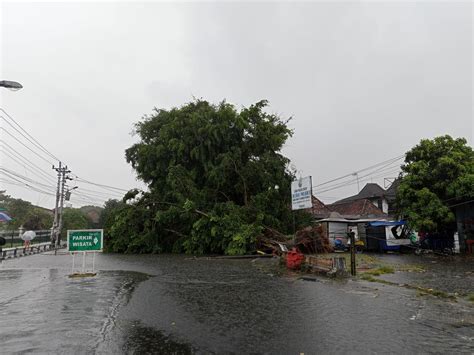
[24, 214]
[73, 218]
[215, 176]
[438, 175]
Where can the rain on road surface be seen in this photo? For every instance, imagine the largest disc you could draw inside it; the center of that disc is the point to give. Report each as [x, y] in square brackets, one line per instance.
[175, 304]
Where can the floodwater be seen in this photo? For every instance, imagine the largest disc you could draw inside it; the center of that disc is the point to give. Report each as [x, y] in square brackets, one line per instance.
[179, 305]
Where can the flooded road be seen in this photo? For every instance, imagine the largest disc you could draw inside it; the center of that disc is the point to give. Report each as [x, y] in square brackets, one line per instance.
[174, 304]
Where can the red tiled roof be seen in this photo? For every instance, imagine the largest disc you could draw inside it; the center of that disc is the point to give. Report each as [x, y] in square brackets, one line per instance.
[358, 208]
[319, 209]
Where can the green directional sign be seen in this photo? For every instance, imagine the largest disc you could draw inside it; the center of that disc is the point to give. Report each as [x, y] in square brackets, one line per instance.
[85, 240]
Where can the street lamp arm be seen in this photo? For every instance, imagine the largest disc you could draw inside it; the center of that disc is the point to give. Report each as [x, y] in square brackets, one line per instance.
[13, 85]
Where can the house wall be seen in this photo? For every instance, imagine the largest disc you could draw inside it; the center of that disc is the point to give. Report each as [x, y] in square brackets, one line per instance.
[337, 230]
[361, 232]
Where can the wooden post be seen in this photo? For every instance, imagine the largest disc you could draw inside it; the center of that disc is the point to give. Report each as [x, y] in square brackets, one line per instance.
[294, 227]
[353, 255]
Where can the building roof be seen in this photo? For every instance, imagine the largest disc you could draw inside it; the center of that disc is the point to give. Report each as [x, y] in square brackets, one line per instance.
[370, 190]
[357, 209]
[391, 192]
[319, 209]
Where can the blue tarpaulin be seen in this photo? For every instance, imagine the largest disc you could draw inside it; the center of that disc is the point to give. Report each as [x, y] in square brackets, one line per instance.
[387, 223]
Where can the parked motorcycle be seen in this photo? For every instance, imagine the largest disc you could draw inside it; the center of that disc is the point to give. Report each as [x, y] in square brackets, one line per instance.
[423, 247]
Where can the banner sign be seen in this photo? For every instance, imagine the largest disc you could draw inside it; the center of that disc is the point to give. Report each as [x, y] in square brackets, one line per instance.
[85, 240]
[301, 193]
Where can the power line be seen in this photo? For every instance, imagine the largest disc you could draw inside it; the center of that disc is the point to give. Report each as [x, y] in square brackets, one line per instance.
[107, 194]
[26, 167]
[38, 150]
[100, 185]
[386, 169]
[26, 137]
[355, 182]
[10, 182]
[12, 174]
[392, 160]
[87, 199]
[13, 151]
[23, 184]
[23, 144]
[28, 187]
[94, 197]
[29, 135]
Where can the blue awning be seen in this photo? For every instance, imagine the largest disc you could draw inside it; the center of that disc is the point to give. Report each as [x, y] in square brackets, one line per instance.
[387, 223]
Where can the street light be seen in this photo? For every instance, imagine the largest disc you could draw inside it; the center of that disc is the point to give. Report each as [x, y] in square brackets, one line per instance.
[11, 85]
[68, 193]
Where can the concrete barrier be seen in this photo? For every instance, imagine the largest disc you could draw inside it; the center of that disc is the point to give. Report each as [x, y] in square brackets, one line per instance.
[15, 252]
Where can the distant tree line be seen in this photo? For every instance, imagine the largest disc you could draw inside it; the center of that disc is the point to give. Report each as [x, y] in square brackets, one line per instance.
[30, 217]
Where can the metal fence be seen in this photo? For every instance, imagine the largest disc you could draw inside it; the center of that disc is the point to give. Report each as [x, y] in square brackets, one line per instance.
[15, 246]
[13, 237]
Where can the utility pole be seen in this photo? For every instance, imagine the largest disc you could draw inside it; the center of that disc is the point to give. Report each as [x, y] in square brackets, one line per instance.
[353, 255]
[58, 212]
[61, 204]
[58, 192]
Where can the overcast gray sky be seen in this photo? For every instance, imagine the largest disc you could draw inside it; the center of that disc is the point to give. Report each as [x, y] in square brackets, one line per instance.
[363, 81]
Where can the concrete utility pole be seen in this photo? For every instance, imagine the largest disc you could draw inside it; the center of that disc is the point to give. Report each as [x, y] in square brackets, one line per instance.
[60, 224]
[58, 191]
[58, 212]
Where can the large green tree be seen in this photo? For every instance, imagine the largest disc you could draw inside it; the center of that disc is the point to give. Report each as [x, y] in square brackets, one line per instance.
[437, 176]
[215, 179]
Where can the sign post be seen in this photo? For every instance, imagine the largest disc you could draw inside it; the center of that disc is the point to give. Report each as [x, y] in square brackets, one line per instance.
[85, 241]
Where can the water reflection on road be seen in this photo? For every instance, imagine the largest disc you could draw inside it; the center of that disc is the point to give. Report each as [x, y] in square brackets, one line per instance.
[173, 304]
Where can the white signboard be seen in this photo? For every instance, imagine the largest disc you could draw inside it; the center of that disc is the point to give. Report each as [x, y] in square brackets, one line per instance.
[301, 193]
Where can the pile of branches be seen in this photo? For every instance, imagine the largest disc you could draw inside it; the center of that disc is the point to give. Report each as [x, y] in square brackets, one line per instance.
[271, 241]
[312, 240]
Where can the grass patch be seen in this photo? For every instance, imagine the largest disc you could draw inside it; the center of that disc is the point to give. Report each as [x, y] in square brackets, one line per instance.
[367, 277]
[370, 278]
[410, 268]
[440, 294]
[420, 291]
[381, 270]
[470, 297]
[361, 259]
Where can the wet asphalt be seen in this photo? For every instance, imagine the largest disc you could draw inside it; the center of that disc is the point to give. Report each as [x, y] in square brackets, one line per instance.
[179, 305]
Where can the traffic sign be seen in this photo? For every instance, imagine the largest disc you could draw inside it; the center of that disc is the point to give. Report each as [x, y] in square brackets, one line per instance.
[85, 240]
